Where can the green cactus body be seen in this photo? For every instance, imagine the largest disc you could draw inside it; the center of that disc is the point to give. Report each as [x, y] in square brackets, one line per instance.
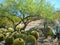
[35, 34]
[1, 37]
[16, 35]
[18, 41]
[10, 29]
[31, 40]
[23, 32]
[1, 31]
[9, 40]
[23, 36]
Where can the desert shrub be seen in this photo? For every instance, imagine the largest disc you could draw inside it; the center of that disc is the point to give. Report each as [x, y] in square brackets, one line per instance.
[19, 41]
[35, 34]
[31, 40]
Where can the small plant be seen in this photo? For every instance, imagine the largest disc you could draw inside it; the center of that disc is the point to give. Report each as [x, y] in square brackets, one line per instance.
[50, 33]
[18, 41]
[35, 34]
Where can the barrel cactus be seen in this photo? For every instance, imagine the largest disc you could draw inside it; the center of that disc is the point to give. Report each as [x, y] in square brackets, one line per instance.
[10, 29]
[1, 31]
[31, 40]
[35, 34]
[8, 34]
[19, 41]
[16, 35]
[23, 36]
[23, 32]
[1, 37]
[9, 40]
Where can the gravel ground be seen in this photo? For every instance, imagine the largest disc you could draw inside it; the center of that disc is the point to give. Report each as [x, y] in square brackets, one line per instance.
[2, 43]
[47, 41]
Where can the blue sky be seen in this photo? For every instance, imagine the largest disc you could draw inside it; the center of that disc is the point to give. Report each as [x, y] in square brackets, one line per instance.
[56, 3]
[1, 0]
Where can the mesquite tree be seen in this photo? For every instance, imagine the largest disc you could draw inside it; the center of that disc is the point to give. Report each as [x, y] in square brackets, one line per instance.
[26, 10]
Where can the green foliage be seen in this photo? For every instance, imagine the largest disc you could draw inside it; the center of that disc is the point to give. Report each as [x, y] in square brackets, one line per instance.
[30, 8]
[14, 18]
[5, 22]
[31, 40]
[47, 32]
[57, 14]
[1, 37]
[18, 41]
[50, 33]
[44, 9]
[35, 34]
